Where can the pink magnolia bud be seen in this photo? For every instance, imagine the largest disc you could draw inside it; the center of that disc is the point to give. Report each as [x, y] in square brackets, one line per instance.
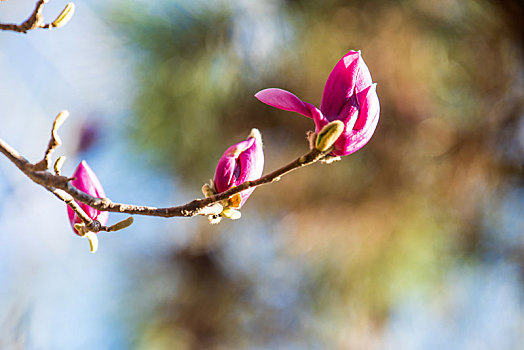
[241, 162]
[86, 181]
[349, 96]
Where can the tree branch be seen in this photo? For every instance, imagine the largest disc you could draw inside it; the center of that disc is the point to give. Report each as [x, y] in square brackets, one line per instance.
[61, 187]
[36, 20]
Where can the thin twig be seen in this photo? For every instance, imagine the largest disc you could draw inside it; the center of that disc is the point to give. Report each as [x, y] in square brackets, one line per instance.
[29, 169]
[54, 143]
[36, 20]
[206, 206]
[90, 224]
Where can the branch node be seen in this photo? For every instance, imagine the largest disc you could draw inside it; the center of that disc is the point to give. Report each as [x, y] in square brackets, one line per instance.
[85, 230]
[94, 226]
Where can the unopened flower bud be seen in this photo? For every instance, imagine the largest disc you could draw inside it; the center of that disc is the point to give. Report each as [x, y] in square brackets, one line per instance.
[86, 181]
[64, 16]
[207, 190]
[121, 224]
[241, 162]
[328, 135]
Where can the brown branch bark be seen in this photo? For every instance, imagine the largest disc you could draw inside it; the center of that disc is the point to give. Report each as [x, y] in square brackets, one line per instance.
[206, 206]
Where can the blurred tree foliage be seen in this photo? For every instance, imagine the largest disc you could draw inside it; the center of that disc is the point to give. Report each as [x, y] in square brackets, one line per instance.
[195, 82]
[395, 216]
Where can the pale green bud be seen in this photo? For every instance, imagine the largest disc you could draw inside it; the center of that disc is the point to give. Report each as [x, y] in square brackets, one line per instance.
[121, 225]
[64, 16]
[328, 135]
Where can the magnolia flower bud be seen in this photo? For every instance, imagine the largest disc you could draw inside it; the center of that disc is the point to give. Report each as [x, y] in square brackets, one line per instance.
[86, 181]
[349, 96]
[241, 162]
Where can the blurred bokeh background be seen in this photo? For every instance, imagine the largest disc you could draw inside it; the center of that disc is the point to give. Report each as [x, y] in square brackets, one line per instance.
[414, 242]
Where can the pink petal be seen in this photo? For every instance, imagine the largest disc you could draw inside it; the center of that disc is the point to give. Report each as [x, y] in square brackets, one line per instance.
[240, 147]
[283, 99]
[350, 74]
[356, 138]
[241, 162]
[229, 169]
[350, 112]
[252, 165]
[224, 173]
[369, 108]
[318, 118]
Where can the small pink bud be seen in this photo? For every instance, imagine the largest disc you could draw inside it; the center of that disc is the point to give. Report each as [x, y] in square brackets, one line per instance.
[86, 181]
[241, 162]
[349, 96]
